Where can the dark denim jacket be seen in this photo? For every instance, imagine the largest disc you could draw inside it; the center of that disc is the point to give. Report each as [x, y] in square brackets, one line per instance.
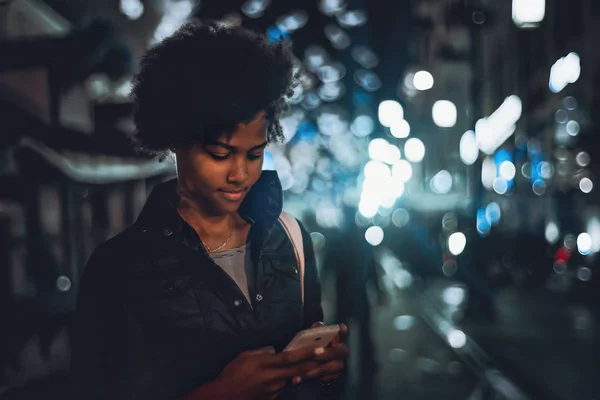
[157, 318]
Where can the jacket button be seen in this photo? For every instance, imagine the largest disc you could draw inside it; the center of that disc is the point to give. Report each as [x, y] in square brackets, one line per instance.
[296, 270]
[259, 297]
[237, 303]
[144, 229]
[169, 287]
[167, 232]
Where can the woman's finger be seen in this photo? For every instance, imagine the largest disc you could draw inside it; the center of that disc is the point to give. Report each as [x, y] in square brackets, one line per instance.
[330, 368]
[329, 378]
[337, 352]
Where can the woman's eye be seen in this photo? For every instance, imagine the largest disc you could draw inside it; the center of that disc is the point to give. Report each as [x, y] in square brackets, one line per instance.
[254, 156]
[219, 156]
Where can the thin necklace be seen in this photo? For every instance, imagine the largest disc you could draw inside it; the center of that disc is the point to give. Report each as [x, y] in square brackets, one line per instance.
[222, 245]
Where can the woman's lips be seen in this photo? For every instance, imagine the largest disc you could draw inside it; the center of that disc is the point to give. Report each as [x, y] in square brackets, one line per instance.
[233, 196]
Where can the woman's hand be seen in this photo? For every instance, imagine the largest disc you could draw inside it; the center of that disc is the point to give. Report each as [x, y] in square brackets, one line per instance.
[332, 359]
[257, 375]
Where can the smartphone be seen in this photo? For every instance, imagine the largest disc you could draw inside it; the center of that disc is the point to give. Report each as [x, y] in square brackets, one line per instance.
[313, 337]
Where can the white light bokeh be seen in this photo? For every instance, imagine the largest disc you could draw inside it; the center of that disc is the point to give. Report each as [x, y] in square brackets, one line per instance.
[493, 213]
[453, 295]
[584, 243]
[528, 13]
[332, 91]
[293, 21]
[500, 185]
[402, 171]
[573, 128]
[400, 217]
[507, 170]
[367, 80]
[331, 123]
[444, 113]
[255, 8]
[378, 149]
[376, 170]
[456, 243]
[332, 7]
[352, 18]
[564, 71]
[586, 185]
[392, 154]
[404, 322]
[552, 232]
[401, 129]
[337, 36]
[63, 283]
[364, 56]
[414, 150]
[374, 235]
[488, 173]
[539, 187]
[593, 228]
[545, 169]
[390, 112]
[132, 9]
[582, 159]
[469, 149]
[492, 132]
[174, 16]
[328, 215]
[441, 183]
[457, 338]
[368, 206]
[584, 274]
[331, 72]
[423, 80]
[363, 125]
[315, 57]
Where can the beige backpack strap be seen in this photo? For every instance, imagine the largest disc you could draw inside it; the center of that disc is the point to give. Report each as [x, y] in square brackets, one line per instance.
[292, 229]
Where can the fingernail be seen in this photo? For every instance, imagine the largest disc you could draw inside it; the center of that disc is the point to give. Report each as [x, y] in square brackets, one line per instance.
[271, 349]
[296, 380]
[319, 351]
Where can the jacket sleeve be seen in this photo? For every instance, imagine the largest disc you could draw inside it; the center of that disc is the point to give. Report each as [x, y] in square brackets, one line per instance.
[313, 311]
[99, 353]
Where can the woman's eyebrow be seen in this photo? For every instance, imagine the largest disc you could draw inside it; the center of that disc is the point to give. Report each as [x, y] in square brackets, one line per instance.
[233, 148]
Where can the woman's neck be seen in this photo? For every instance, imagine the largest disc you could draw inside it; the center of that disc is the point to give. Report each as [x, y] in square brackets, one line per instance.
[203, 222]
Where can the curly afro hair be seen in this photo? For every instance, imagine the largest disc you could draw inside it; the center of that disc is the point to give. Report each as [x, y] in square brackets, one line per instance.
[203, 81]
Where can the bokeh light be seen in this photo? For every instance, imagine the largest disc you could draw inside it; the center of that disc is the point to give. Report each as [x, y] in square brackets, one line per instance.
[390, 113]
[402, 170]
[444, 113]
[400, 217]
[422, 80]
[441, 183]
[552, 232]
[400, 129]
[507, 170]
[586, 185]
[457, 338]
[457, 243]
[374, 235]
[584, 243]
[468, 150]
[500, 185]
[414, 150]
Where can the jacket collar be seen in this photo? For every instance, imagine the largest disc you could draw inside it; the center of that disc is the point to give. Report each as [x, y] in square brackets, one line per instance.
[262, 206]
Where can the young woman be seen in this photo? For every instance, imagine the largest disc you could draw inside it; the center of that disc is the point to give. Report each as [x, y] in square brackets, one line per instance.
[197, 299]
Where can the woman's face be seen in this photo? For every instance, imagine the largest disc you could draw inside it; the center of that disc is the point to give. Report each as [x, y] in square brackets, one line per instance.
[217, 176]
